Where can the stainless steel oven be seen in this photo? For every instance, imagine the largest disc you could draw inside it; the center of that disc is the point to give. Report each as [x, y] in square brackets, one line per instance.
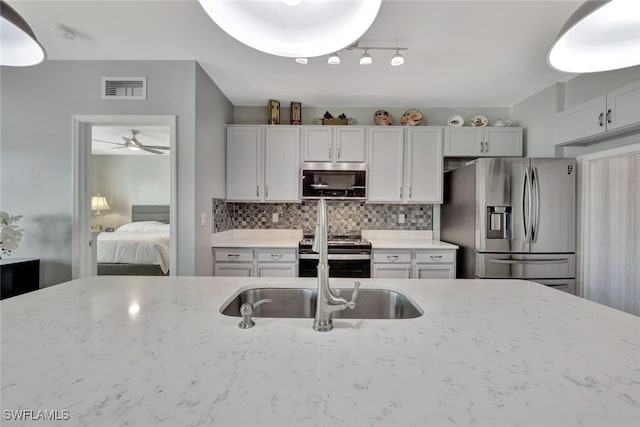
[349, 256]
[334, 181]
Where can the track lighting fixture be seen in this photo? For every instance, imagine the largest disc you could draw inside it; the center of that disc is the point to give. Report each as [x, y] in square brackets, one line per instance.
[334, 59]
[365, 59]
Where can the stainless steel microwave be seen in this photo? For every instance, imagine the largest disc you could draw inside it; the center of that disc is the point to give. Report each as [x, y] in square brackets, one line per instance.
[334, 181]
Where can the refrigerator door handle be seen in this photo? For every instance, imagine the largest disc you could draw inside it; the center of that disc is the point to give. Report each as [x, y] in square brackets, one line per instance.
[526, 205]
[530, 261]
[535, 219]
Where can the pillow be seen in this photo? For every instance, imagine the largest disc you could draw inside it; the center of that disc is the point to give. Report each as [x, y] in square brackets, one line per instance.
[139, 226]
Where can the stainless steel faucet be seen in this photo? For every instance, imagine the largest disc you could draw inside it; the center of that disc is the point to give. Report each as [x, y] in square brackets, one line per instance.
[327, 302]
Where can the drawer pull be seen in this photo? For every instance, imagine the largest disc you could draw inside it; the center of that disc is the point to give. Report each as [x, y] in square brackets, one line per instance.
[276, 256]
[392, 257]
[436, 257]
[233, 255]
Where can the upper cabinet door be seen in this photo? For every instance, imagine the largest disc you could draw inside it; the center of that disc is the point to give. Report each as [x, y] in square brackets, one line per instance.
[502, 142]
[385, 164]
[282, 164]
[581, 121]
[317, 143]
[463, 142]
[349, 144]
[623, 106]
[424, 165]
[244, 163]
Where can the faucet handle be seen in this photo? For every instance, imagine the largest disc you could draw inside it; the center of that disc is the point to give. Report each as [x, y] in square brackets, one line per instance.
[352, 303]
[246, 310]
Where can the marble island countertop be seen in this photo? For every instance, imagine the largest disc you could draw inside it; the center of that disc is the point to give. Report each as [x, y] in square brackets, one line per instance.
[157, 351]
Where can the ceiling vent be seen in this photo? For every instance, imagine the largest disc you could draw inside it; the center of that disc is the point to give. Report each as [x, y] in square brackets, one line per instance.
[130, 88]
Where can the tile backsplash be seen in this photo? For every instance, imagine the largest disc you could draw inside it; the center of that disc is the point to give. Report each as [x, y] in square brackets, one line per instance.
[344, 217]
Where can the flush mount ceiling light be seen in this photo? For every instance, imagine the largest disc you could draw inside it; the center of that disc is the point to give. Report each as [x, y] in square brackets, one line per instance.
[601, 35]
[19, 46]
[294, 28]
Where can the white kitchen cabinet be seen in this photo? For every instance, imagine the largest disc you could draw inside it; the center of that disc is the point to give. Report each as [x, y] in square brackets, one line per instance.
[240, 269]
[280, 269]
[414, 263]
[434, 264]
[434, 271]
[263, 164]
[260, 262]
[391, 264]
[423, 171]
[282, 164]
[244, 163]
[385, 164]
[277, 262]
[333, 144]
[483, 142]
[614, 113]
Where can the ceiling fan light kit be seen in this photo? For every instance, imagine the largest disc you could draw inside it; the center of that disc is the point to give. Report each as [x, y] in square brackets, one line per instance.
[294, 28]
[601, 35]
[19, 46]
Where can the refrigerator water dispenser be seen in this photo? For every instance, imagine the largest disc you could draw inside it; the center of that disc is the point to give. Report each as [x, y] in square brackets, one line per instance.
[499, 222]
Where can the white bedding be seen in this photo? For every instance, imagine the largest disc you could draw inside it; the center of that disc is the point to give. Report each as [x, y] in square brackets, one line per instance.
[137, 244]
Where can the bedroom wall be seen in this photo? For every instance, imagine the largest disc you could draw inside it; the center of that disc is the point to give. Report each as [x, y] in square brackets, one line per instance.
[36, 151]
[130, 180]
[213, 112]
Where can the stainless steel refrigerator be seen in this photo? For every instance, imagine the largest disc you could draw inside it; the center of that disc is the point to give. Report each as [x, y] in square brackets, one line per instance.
[513, 218]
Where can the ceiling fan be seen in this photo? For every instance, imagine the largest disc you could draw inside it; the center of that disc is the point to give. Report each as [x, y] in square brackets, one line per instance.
[135, 145]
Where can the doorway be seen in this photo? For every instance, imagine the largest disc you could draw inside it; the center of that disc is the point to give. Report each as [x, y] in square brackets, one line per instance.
[136, 203]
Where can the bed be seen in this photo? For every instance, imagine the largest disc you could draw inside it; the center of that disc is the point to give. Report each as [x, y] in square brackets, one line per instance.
[140, 248]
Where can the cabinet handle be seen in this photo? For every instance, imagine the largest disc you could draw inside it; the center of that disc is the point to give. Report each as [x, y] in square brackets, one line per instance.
[339, 152]
[249, 271]
[392, 257]
[609, 116]
[266, 191]
[260, 272]
[409, 192]
[481, 147]
[233, 255]
[600, 119]
[486, 146]
[436, 257]
[401, 192]
[257, 191]
[276, 256]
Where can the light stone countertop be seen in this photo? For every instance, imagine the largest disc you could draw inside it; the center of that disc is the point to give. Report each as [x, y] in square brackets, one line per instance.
[257, 238]
[404, 239]
[485, 352]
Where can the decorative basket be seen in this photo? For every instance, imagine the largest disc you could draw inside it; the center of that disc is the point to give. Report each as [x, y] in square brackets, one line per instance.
[335, 121]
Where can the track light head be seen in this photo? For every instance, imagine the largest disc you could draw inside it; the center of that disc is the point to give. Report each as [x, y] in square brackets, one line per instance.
[366, 59]
[302, 61]
[334, 59]
[397, 59]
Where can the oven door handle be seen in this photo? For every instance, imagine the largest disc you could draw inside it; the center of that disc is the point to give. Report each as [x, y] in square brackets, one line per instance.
[344, 257]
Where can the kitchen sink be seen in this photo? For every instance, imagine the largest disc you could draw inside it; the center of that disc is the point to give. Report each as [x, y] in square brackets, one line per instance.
[301, 303]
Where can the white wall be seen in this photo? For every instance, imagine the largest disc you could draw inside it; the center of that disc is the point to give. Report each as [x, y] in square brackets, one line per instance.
[36, 163]
[130, 180]
[213, 112]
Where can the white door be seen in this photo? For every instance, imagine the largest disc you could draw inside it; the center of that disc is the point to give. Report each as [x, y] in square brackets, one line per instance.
[234, 269]
[391, 271]
[244, 163]
[502, 142]
[623, 106]
[350, 144]
[277, 270]
[463, 142]
[282, 164]
[581, 121]
[424, 166]
[317, 142]
[385, 165]
[435, 271]
[609, 248]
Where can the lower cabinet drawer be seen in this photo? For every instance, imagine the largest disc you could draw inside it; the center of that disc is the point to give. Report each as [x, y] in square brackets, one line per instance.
[396, 257]
[435, 256]
[233, 254]
[276, 255]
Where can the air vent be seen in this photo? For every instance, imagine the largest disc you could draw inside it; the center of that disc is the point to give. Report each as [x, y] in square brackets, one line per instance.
[131, 88]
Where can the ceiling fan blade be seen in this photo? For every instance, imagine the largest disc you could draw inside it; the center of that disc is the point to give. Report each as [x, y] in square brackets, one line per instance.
[158, 147]
[150, 150]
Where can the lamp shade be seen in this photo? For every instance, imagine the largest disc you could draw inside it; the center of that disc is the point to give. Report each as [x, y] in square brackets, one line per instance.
[99, 203]
[19, 46]
[294, 29]
[601, 35]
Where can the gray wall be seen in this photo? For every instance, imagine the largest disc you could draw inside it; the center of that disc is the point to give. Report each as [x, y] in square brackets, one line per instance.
[130, 180]
[213, 112]
[36, 166]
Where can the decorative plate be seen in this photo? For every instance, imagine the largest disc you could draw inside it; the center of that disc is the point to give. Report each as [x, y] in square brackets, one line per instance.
[478, 121]
[455, 120]
[382, 118]
[411, 118]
